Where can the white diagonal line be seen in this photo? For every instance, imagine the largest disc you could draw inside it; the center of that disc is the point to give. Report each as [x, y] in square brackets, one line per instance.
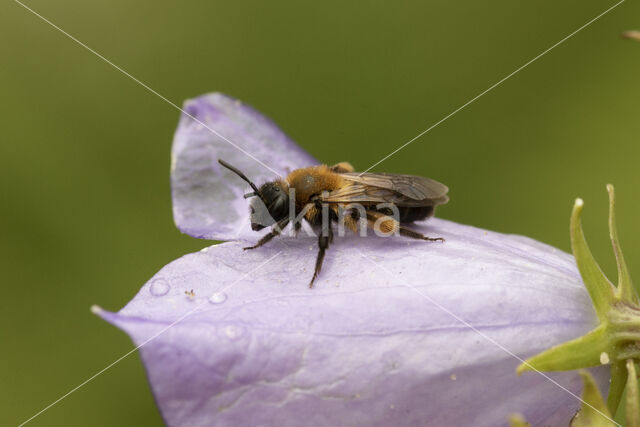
[181, 318]
[144, 85]
[483, 335]
[272, 170]
[493, 86]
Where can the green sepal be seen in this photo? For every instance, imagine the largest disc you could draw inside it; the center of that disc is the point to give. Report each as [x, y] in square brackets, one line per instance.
[582, 352]
[517, 420]
[633, 397]
[617, 337]
[594, 412]
[625, 290]
[616, 387]
[599, 287]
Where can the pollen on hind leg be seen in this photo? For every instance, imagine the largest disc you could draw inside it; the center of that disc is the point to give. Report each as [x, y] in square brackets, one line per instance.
[389, 226]
[383, 224]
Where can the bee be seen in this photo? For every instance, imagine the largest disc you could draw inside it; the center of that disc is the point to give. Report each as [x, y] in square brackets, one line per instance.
[323, 195]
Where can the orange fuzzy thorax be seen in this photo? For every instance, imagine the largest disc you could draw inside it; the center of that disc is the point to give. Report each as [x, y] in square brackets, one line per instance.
[312, 181]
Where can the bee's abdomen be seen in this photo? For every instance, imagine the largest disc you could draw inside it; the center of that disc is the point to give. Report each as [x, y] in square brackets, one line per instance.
[411, 214]
[408, 214]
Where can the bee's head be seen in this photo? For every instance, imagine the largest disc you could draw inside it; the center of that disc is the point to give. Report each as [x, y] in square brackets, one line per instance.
[270, 205]
[271, 202]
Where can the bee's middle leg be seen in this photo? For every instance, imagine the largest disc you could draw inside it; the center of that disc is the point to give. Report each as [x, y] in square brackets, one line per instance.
[277, 229]
[296, 227]
[323, 243]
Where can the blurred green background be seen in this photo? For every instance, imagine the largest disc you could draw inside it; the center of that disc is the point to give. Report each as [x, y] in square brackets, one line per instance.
[85, 214]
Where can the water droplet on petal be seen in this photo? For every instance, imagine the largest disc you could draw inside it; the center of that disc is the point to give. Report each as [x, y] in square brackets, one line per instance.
[159, 287]
[218, 298]
[233, 332]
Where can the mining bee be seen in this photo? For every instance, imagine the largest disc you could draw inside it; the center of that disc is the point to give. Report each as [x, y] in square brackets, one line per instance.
[322, 195]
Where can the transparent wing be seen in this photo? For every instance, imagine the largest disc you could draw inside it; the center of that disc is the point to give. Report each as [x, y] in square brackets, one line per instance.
[402, 190]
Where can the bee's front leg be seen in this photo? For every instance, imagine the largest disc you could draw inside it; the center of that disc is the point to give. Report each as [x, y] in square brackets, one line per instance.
[275, 231]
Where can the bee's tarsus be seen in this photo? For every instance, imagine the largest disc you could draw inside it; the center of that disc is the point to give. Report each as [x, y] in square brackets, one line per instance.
[296, 228]
[323, 243]
[277, 228]
[407, 232]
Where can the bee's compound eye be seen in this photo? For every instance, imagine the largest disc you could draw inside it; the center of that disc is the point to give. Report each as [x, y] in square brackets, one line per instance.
[252, 210]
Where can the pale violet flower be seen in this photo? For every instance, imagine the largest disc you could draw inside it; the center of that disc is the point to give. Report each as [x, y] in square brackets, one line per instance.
[235, 337]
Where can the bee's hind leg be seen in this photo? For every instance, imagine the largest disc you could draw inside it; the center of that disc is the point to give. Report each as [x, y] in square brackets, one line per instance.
[407, 232]
[342, 167]
[323, 243]
[389, 224]
[275, 231]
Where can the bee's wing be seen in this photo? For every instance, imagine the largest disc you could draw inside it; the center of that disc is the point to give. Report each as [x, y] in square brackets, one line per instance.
[414, 187]
[402, 190]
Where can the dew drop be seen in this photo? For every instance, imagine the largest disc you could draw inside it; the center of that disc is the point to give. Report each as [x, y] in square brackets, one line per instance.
[159, 287]
[218, 298]
[233, 332]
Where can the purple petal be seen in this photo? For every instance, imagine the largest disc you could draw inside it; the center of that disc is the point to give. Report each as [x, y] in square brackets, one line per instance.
[363, 347]
[208, 200]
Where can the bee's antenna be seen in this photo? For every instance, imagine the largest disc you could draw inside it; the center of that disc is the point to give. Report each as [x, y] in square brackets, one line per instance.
[256, 192]
[246, 196]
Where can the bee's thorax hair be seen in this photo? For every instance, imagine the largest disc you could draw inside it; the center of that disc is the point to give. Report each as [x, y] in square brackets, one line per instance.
[312, 181]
